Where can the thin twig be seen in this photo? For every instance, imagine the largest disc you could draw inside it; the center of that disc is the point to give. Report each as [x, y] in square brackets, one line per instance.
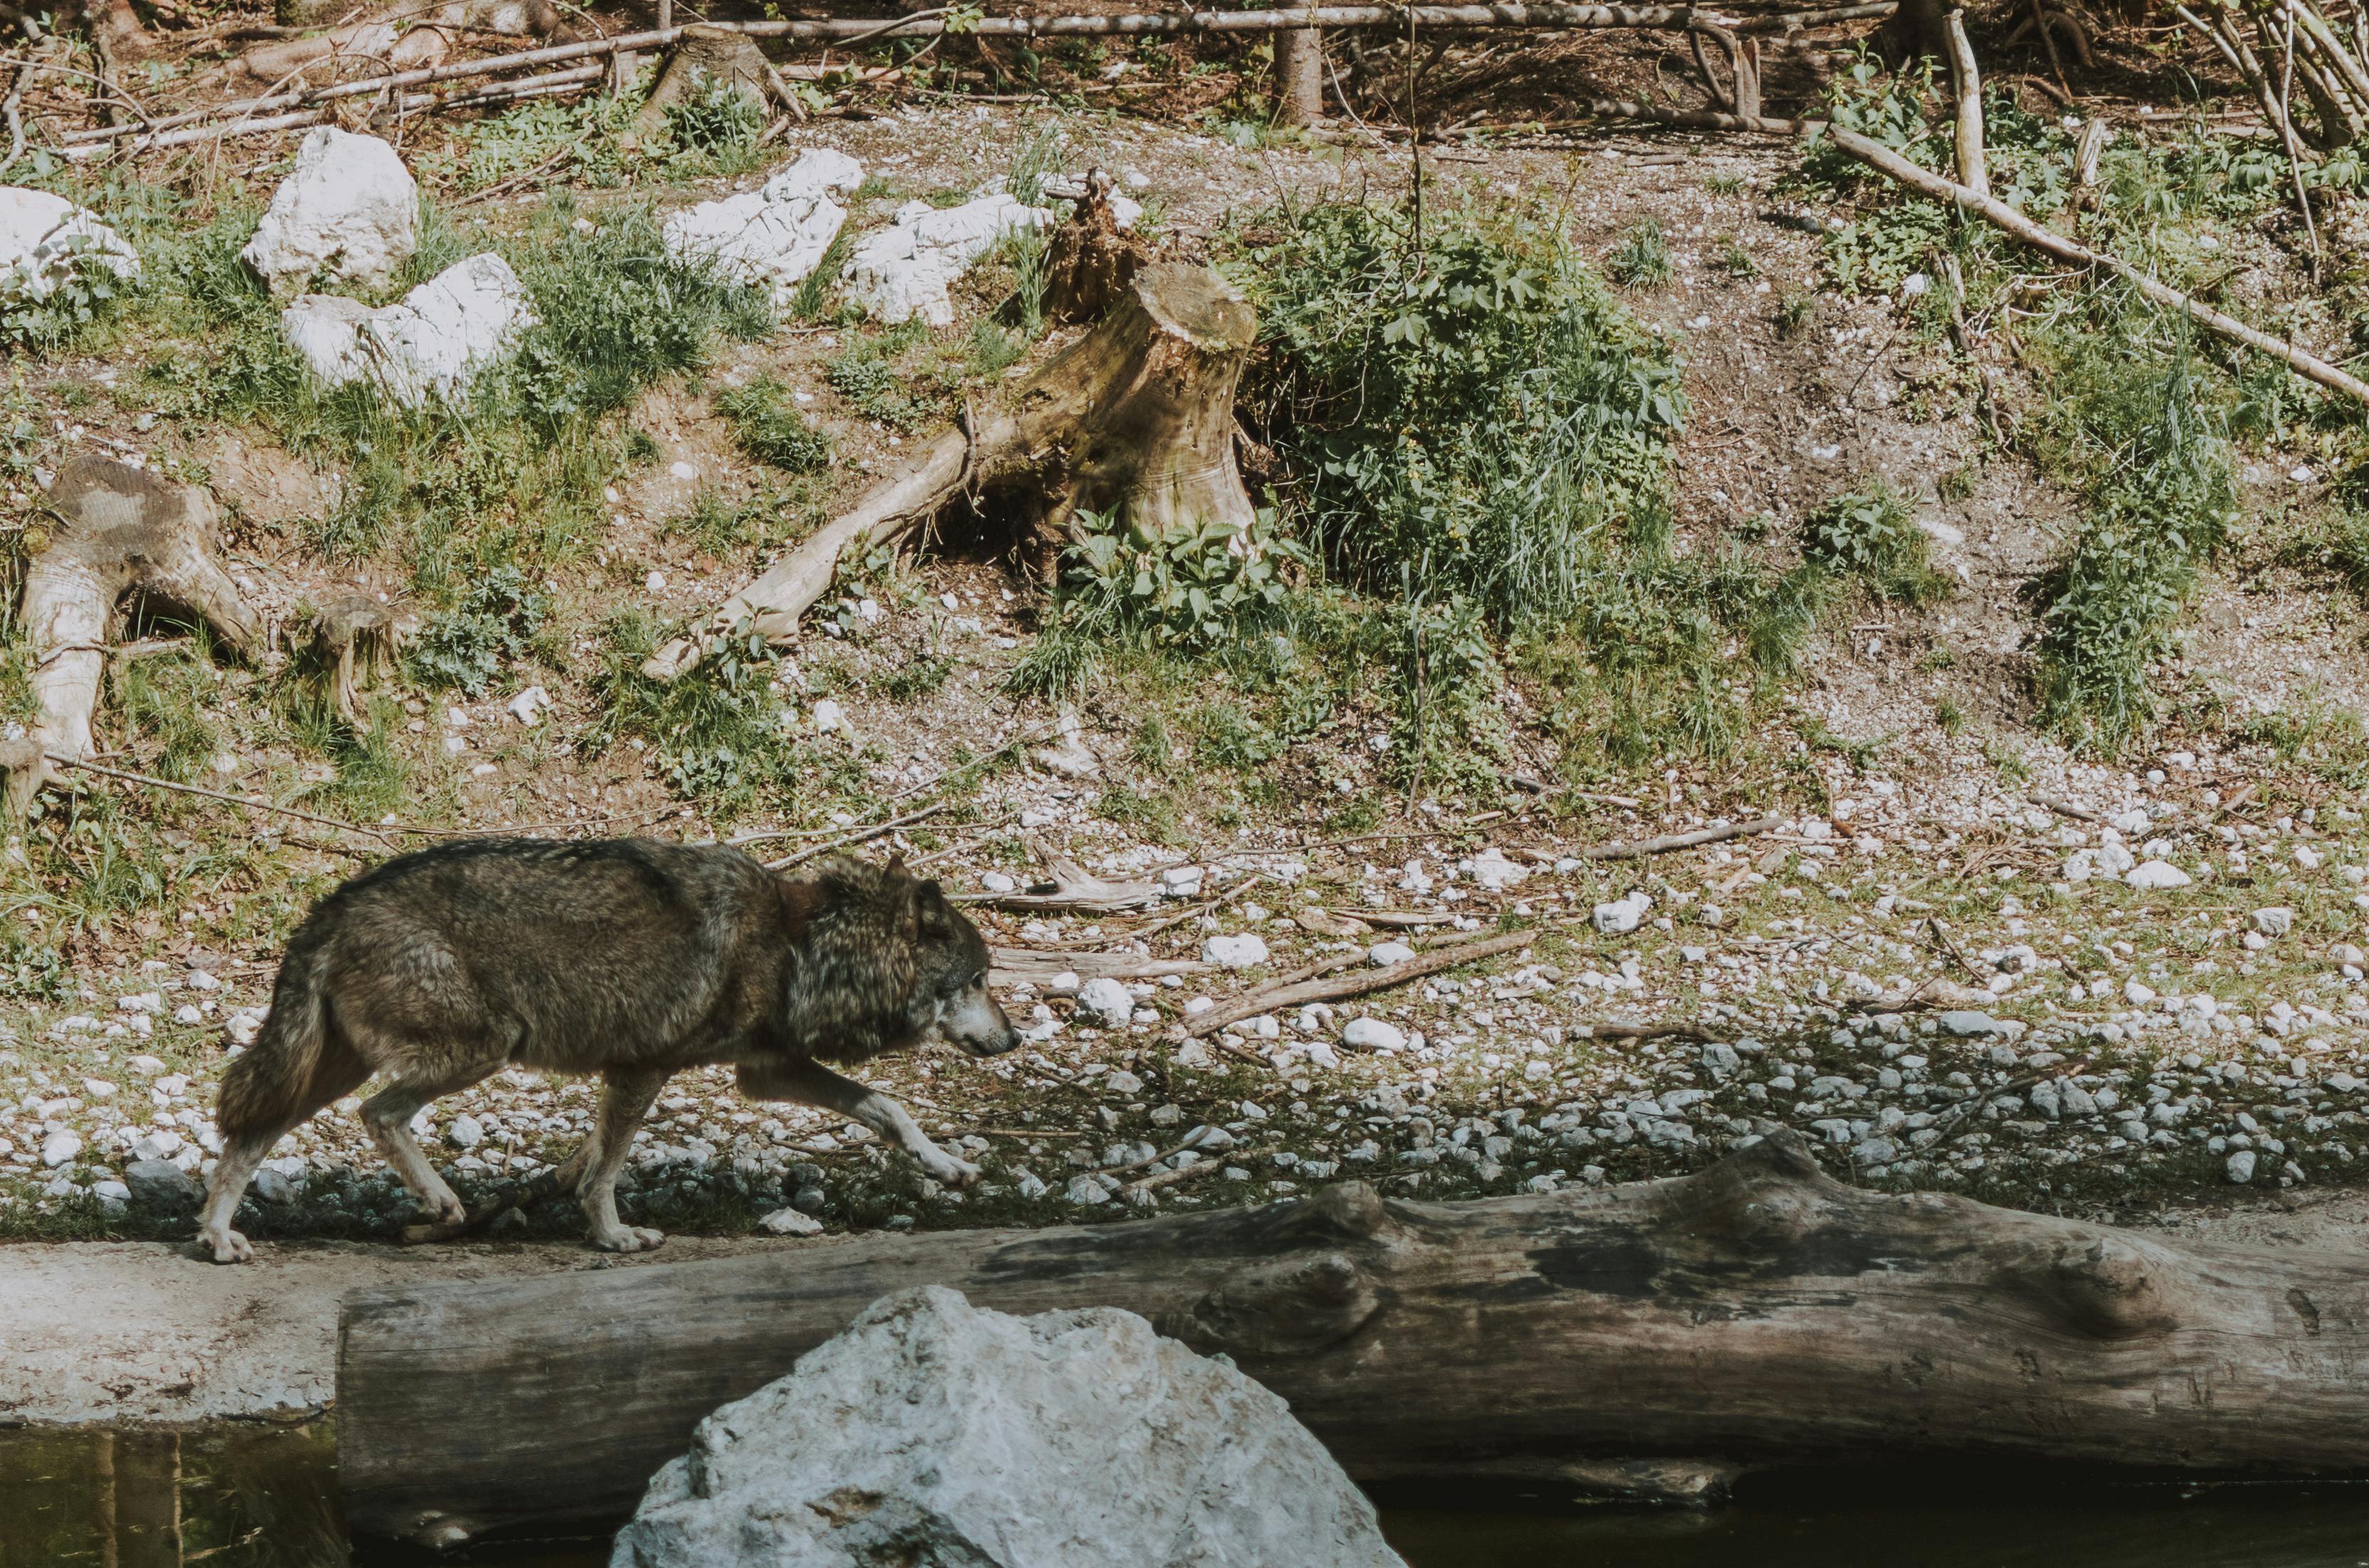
[1267, 999]
[1636, 848]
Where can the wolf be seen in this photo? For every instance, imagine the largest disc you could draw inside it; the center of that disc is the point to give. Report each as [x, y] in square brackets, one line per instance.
[627, 957]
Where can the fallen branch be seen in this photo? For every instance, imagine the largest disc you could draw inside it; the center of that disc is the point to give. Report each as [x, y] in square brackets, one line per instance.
[1649, 1032]
[1545, 18]
[1636, 849]
[2066, 808]
[860, 835]
[1036, 965]
[1143, 1187]
[1968, 80]
[1270, 998]
[1885, 161]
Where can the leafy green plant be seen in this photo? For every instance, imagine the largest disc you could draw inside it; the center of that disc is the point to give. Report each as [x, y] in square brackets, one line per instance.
[769, 427]
[1871, 535]
[1642, 259]
[45, 312]
[467, 646]
[715, 115]
[2161, 493]
[722, 735]
[1193, 585]
[862, 375]
[1482, 406]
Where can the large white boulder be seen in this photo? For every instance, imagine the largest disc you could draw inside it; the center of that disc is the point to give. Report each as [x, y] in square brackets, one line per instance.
[42, 236]
[931, 1430]
[904, 271]
[433, 343]
[349, 208]
[774, 236]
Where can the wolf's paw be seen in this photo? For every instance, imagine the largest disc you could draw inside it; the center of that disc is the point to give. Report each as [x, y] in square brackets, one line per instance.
[629, 1239]
[227, 1246]
[952, 1171]
[446, 1210]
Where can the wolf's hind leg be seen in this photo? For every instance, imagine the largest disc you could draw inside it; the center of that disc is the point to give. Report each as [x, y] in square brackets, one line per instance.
[812, 1084]
[241, 1157]
[625, 1101]
[336, 1071]
[388, 1114]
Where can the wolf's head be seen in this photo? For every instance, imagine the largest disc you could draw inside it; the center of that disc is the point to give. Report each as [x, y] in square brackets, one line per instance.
[888, 961]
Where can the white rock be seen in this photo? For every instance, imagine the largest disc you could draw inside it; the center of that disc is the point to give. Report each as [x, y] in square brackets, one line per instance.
[790, 1222]
[1085, 1189]
[1493, 872]
[1623, 914]
[2156, 874]
[434, 344]
[1104, 1002]
[904, 271]
[59, 1148]
[774, 236]
[828, 716]
[1372, 1034]
[465, 1132]
[527, 707]
[2241, 1166]
[1078, 1439]
[41, 237]
[2113, 858]
[1382, 955]
[997, 882]
[1245, 951]
[349, 208]
[243, 1025]
[2137, 994]
[2306, 857]
[2274, 921]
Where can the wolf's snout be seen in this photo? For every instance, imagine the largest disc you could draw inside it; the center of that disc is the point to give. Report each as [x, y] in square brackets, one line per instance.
[976, 1023]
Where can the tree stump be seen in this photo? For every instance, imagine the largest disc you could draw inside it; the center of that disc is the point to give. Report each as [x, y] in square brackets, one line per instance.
[127, 535]
[1135, 418]
[1654, 1335]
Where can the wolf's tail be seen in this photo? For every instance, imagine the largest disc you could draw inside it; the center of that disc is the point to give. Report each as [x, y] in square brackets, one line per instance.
[288, 1074]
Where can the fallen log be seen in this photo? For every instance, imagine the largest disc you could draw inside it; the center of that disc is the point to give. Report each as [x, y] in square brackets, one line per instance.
[935, 21]
[1999, 214]
[1136, 417]
[1757, 1314]
[123, 534]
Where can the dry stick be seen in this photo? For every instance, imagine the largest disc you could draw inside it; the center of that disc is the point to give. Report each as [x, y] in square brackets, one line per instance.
[2066, 808]
[1267, 999]
[1636, 849]
[2223, 37]
[1971, 172]
[857, 837]
[2295, 163]
[2000, 215]
[1137, 1190]
[251, 803]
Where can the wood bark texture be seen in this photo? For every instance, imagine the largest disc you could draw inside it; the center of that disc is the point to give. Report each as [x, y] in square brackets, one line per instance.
[1299, 77]
[1757, 1313]
[1136, 417]
[123, 532]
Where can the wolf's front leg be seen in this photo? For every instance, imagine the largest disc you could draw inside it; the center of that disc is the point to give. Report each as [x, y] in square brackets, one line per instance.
[815, 1084]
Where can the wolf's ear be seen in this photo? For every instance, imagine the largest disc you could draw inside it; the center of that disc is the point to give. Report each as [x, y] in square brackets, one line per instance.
[896, 866]
[931, 913]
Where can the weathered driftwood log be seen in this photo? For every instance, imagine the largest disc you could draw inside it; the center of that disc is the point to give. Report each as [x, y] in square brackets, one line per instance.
[1756, 1314]
[123, 532]
[1138, 416]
